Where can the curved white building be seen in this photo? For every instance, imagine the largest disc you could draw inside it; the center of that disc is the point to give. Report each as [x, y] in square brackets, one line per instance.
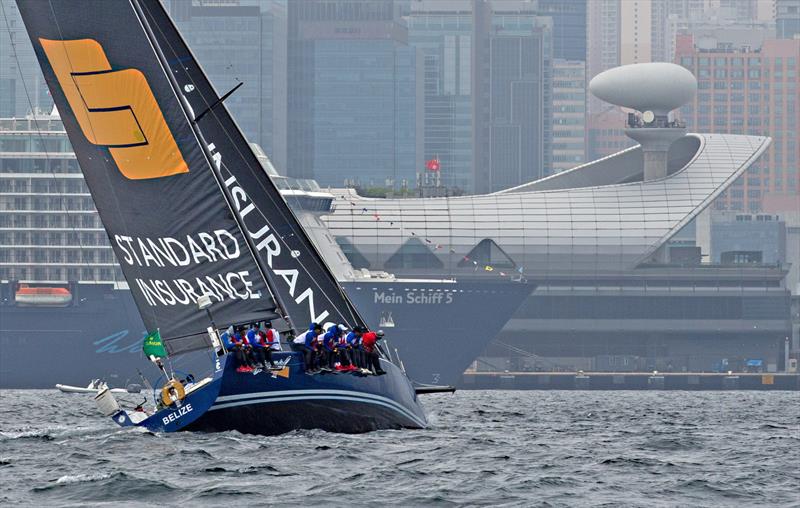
[612, 292]
[598, 217]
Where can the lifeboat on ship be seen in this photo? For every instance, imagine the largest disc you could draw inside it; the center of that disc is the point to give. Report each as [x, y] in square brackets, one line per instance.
[44, 296]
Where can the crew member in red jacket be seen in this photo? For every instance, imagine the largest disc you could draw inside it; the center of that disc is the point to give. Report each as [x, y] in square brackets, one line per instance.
[369, 341]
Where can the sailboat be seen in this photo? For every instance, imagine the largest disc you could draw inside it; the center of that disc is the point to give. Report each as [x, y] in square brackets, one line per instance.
[202, 234]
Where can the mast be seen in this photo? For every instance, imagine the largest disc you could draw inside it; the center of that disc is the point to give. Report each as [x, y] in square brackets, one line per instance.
[212, 166]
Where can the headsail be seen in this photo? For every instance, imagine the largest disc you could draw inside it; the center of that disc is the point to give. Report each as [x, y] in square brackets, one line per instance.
[160, 202]
[304, 286]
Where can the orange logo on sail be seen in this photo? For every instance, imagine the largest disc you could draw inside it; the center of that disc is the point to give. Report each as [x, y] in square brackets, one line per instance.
[116, 109]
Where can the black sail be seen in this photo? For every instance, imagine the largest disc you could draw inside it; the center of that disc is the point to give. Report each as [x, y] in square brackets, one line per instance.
[170, 226]
[303, 285]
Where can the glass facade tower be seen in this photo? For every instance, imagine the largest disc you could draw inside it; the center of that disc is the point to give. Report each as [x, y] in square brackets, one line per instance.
[243, 41]
[444, 38]
[512, 96]
[353, 95]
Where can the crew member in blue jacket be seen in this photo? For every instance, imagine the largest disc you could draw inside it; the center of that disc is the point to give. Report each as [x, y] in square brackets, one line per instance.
[262, 348]
[236, 342]
[342, 348]
[354, 343]
[307, 344]
[329, 342]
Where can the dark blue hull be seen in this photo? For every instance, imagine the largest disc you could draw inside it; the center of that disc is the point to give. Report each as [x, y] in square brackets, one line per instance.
[271, 403]
[439, 328]
[346, 403]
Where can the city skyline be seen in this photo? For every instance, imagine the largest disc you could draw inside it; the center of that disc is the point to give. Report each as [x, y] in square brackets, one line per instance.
[433, 81]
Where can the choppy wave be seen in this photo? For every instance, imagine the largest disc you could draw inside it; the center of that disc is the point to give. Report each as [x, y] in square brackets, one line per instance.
[482, 448]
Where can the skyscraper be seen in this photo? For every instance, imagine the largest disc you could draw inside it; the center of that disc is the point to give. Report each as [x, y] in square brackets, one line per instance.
[243, 41]
[511, 94]
[355, 104]
[569, 114]
[749, 90]
[442, 33]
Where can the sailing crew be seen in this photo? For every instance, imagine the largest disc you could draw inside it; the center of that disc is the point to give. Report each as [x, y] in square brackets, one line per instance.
[307, 344]
[342, 348]
[262, 353]
[328, 349]
[343, 361]
[356, 349]
[236, 342]
[322, 354]
[272, 340]
[273, 336]
[369, 342]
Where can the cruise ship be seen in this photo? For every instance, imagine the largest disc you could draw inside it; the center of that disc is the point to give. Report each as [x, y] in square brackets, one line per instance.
[64, 302]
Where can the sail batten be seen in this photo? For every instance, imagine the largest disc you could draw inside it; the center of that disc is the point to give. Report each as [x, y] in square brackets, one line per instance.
[153, 185]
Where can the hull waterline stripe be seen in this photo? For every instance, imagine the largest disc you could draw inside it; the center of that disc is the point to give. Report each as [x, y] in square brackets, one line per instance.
[268, 400]
[279, 393]
[341, 393]
[405, 414]
[360, 396]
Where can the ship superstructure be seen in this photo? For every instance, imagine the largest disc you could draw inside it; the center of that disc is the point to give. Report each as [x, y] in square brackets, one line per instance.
[49, 228]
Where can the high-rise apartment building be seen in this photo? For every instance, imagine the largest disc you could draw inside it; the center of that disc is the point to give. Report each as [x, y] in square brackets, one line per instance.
[22, 86]
[355, 103]
[749, 90]
[569, 114]
[243, 41]
[511, 94]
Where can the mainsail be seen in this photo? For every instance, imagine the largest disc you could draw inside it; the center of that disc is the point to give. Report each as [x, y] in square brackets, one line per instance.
[187, 205]
[172, 231]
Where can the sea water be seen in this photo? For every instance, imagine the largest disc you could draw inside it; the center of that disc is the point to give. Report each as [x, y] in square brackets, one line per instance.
[483, 448]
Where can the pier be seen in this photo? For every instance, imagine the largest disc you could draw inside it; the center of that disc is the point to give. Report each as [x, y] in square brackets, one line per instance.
[630, 381]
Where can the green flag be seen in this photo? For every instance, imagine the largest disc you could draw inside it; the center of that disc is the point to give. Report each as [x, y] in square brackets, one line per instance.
[153, 346]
